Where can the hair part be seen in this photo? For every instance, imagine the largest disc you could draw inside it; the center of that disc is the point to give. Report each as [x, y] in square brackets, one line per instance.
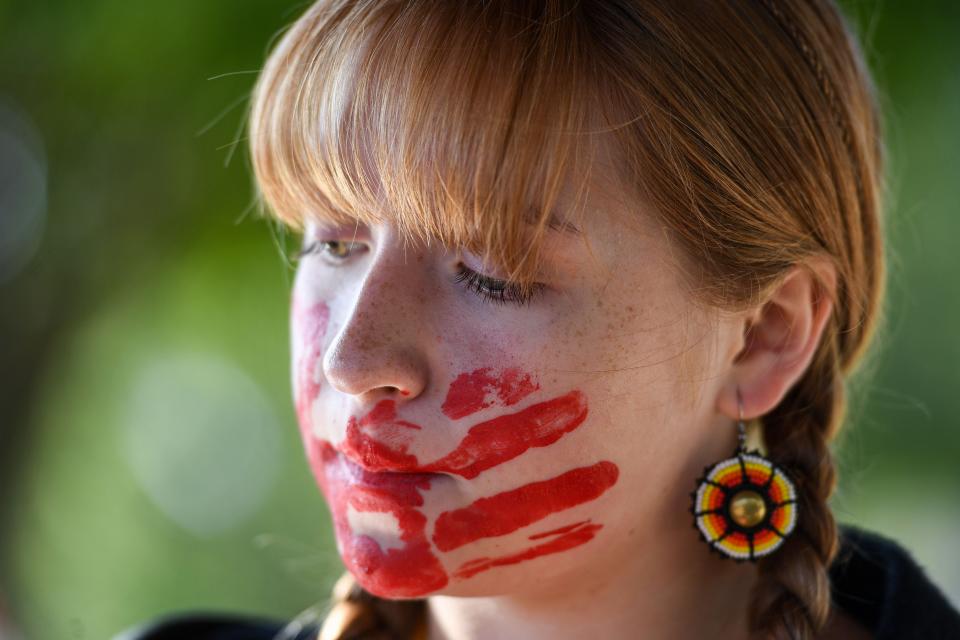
[751, 129]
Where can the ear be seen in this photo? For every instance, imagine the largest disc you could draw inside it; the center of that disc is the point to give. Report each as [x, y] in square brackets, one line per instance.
[778, 339]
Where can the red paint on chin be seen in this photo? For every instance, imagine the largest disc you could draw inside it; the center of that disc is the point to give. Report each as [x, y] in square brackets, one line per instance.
[567, 540]
[479, 389]
[405, 572]
[506, 512]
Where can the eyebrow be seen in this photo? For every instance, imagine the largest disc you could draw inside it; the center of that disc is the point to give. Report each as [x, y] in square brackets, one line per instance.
[556, 223]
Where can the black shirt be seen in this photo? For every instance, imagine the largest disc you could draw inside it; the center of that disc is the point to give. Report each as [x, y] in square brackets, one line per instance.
[873, 579]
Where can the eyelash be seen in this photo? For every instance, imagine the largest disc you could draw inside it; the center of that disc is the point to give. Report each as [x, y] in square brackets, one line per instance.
[488, 289]
[496, 291]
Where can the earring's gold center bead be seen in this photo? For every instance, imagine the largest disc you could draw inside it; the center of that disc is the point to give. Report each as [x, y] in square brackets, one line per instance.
[747, 508]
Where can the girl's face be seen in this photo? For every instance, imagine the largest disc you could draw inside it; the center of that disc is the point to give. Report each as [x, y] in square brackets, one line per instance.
[472, 447]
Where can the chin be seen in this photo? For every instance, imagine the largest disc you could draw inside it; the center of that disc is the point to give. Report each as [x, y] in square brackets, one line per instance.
[397, 574]
[490, 585]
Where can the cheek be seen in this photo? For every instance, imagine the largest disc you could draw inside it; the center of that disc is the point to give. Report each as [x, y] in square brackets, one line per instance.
[308, 329]
[511, 510]
[476, 390]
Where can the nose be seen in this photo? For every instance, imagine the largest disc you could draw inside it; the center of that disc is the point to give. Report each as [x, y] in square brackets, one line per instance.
[377, 352]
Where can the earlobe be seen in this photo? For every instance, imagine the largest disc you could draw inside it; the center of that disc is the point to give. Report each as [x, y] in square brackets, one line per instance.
[780, 339]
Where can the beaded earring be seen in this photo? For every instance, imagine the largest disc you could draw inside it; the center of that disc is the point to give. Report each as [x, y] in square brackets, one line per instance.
[745, 506]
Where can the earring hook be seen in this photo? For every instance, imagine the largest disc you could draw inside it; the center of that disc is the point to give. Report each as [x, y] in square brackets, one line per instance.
[741, 428]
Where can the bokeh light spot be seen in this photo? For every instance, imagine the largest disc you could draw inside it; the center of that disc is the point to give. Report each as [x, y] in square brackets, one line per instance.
[202, 440]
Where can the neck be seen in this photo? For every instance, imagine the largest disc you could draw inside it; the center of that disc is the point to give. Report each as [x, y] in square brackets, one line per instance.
[672, 587]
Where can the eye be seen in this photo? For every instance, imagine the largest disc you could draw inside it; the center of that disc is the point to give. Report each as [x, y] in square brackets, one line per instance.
[333, 250]
[489, 289]
[494, 290]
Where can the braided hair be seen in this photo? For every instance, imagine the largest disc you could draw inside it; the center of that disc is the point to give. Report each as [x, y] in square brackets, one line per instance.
[356, 614]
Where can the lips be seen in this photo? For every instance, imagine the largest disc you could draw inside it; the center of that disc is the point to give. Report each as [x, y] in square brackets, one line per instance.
[361, 474]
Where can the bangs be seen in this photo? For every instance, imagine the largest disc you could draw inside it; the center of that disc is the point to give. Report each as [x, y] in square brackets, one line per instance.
[459, 122]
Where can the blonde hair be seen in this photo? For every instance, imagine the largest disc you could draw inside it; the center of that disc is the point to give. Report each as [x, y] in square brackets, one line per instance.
[752, 130]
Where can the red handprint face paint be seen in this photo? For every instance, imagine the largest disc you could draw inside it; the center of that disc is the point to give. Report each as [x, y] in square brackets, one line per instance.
[374, 473]
[467, 449]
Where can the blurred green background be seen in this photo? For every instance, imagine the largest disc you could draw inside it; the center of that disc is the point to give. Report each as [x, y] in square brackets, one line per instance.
[149, 459]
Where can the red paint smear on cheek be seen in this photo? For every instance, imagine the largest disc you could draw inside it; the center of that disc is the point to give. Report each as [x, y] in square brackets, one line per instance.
[566, 541]
[553, 532]
[505, 437]
[479, 389]
[311, 327]
[506, 512]
[412, 569]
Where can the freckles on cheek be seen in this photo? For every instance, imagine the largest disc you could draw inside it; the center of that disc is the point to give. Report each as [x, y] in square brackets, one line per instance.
[413, 566]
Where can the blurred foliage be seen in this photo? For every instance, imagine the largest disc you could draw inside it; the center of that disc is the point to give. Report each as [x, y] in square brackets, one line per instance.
[151, 263]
